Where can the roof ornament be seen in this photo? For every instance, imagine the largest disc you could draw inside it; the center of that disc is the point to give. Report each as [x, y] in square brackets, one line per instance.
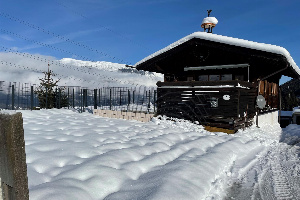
[208, 12]
[208, 23]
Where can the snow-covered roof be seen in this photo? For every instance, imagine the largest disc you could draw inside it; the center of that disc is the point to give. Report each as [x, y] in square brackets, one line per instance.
[286, 113]
[210, 20]
[227, 40]
[296, 110]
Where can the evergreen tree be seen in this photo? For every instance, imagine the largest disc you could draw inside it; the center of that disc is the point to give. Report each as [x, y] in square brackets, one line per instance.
[48, 94]
[290, 93]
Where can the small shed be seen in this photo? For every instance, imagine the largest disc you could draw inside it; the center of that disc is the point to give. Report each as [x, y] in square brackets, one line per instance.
[215, 80]
[296, 116]
[285, 118]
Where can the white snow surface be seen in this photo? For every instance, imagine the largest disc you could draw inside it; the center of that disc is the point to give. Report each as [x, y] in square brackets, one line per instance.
[231, 41]
[210, 20]
[74, 155]
[28, 68]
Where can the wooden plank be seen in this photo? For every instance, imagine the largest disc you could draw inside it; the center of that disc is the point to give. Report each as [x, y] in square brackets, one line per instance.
[216, 129]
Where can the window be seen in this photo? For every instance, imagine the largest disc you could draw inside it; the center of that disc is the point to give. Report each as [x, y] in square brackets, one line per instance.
[190, 78]
[239, 77]
[169, 78]
[226, 77]
[217, 77]
[214, 77]
[203, 78]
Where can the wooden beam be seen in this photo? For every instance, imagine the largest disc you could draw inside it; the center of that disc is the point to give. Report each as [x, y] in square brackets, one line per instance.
[217, 67]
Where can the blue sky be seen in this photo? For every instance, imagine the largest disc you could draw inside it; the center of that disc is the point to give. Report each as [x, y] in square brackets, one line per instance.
[126, 31]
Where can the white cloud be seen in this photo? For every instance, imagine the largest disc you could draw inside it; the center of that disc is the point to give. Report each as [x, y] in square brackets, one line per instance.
[6, 37]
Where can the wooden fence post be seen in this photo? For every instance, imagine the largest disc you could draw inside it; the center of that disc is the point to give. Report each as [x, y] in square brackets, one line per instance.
[13, 168]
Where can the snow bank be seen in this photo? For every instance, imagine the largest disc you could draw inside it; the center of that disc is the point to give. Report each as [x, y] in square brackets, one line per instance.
[291, 135]
[82, 156]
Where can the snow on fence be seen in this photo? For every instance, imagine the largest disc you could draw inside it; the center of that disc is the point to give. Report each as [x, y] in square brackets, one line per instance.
[13, 168]
[21, 96]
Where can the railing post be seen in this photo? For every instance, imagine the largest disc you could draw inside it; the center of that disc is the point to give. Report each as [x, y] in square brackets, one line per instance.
[81, 98]
[133, 96]
[56, 98]
[31, 97]
[59, 98]
[149, 98]
[12, 97]
[99, 103]
[120, 97]
[73, 98]
[46, 97]
[84, 97]
[128, 97]
[154, 99]
[110, 103]
[68, 97]
[95, 99]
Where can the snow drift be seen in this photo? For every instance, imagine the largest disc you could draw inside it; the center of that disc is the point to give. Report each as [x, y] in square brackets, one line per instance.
[82, 156]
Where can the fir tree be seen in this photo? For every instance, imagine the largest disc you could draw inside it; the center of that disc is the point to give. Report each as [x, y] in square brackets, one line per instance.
[48, 94]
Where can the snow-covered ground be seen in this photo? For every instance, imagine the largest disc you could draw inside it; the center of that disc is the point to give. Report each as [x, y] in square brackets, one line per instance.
[81, 156]
[28, 68]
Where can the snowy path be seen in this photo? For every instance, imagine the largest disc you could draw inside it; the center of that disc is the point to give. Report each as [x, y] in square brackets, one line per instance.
[81, 156]
[275, 175]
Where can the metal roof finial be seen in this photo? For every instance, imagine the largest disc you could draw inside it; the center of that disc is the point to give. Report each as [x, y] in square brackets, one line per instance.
[208, 23]
[208, 12]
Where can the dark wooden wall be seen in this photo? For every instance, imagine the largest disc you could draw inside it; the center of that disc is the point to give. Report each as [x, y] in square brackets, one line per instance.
[195, 101]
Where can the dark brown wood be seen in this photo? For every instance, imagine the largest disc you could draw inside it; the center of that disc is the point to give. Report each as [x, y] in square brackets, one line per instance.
[200, 52]
[198, 95]
[186, 100]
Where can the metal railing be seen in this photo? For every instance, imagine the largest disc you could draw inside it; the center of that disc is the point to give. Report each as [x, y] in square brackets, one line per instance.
[22, 96]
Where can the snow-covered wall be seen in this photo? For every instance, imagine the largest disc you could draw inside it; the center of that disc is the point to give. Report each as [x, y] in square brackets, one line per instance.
[270, 118]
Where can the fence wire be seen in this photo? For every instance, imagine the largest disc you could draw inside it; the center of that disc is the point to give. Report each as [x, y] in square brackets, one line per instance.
[22, 96]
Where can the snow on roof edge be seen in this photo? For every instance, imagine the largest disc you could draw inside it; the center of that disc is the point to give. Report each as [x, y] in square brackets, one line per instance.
[228, 40]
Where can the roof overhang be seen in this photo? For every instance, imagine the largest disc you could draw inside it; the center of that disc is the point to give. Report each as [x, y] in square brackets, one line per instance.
[272, 54]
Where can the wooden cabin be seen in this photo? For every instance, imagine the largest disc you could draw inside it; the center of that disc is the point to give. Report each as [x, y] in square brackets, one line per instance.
[216, 80]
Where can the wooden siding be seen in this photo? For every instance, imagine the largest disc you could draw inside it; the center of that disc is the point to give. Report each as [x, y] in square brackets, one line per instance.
[271, 93]
[205, 102]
